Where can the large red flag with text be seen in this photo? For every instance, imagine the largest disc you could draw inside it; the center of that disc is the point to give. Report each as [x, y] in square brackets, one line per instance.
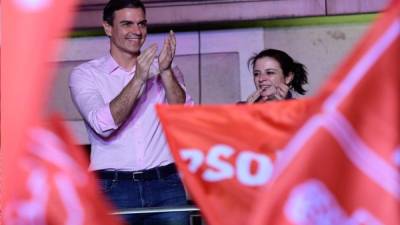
[332, 159]
[226, 153]
[44, 178]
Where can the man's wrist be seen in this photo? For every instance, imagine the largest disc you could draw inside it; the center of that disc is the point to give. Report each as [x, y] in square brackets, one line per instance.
[138, 80]
[166, 71]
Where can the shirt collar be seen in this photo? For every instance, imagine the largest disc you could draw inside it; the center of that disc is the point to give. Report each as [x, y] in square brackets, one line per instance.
[110, 65]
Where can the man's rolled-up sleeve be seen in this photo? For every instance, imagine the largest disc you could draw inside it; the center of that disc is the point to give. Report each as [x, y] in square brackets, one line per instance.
[90, 103]
[179, 77]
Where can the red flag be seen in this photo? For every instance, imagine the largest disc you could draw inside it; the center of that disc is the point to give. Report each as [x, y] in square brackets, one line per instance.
[336, 152]
[45, 175]
[342, 166]
[52, 184]
[226, 153]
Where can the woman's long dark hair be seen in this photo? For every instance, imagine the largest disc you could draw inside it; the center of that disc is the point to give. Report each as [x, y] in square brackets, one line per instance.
[288, 65]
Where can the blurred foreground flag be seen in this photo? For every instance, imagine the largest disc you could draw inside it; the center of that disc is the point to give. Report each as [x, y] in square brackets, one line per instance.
[44, 175]
[333, 159]
[50, 183]
[343, 165]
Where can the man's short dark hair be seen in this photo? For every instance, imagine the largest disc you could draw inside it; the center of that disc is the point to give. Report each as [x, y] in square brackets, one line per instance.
[114, 5]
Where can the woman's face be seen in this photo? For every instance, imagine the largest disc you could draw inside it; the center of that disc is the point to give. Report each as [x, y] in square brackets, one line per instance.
[268, 76]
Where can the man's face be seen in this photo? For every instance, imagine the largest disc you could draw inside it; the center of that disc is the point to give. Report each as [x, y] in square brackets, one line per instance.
[128, 32]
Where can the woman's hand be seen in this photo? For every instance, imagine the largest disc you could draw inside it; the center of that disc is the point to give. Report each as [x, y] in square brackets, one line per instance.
[254, 96]
[281, 92]
[276, 92]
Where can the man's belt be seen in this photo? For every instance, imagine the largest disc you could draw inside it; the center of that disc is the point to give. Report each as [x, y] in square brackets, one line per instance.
[142, 175]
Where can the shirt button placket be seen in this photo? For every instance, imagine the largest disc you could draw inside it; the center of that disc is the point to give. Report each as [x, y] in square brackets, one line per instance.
[140, 145]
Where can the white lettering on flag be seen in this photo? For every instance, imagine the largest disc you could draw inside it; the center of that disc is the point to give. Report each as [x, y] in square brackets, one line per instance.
[219, 167]
[30, 211]
[311, 203]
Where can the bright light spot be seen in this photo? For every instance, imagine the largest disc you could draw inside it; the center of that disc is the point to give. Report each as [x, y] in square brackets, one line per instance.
[32, 5]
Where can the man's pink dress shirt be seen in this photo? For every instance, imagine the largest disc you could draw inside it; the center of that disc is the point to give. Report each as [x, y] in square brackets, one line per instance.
[138, 143]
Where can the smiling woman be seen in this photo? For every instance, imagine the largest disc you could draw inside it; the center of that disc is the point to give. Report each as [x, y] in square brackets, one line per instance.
[276, 74]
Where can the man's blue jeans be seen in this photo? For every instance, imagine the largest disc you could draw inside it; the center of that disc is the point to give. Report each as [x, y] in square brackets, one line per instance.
[167, 191]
